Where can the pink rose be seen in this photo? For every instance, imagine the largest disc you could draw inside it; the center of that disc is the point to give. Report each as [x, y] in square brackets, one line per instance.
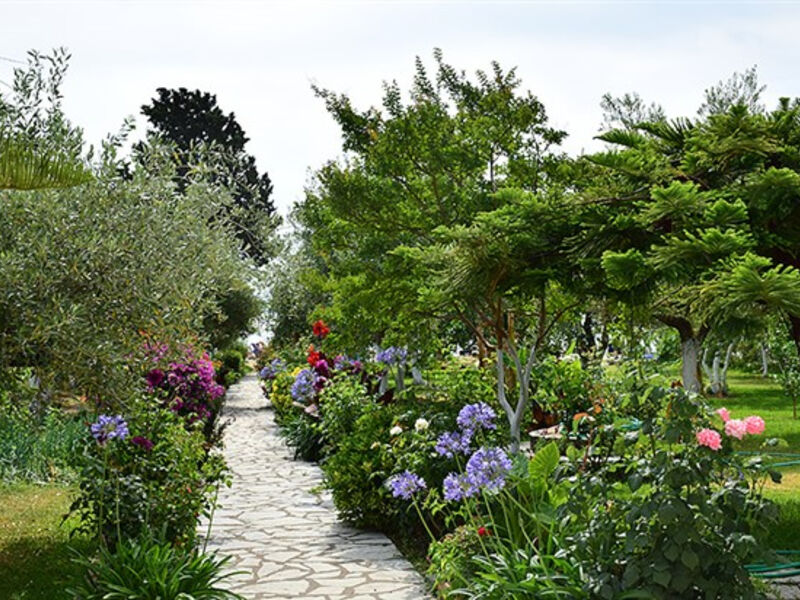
[723, 412]
[709, 438]
[736, 428]
[754, 425]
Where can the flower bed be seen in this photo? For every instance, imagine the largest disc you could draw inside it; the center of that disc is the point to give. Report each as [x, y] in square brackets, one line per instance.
[643, 494]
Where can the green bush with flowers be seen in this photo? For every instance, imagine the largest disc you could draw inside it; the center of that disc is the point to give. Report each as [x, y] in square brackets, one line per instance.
[146, 471]
[660, 507]
[642, 494]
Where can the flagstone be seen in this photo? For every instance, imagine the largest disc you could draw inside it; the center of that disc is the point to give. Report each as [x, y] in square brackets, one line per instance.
[283, 532]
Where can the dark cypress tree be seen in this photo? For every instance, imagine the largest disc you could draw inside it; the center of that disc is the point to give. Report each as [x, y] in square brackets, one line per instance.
[186, 118]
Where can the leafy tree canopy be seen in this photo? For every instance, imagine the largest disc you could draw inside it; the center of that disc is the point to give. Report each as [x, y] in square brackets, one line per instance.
[191, 118]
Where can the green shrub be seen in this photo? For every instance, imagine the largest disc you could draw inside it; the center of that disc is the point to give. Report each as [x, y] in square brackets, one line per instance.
[128, 486]
[146, 568]
[355, 474]
[303, 434]
[669, 517]
[341, 404]
[231, 364]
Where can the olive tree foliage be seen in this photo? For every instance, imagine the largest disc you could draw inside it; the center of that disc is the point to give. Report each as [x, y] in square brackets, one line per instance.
[431, 159]
[86, 272]
[39, 148]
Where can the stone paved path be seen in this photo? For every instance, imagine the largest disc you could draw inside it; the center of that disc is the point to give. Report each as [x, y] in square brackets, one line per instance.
[286, 539]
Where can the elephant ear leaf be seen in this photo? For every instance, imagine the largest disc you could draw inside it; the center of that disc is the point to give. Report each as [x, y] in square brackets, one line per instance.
[544, 462]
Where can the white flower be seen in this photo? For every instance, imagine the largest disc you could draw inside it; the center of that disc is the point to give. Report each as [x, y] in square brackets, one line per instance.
[396, 430]
[421, 425]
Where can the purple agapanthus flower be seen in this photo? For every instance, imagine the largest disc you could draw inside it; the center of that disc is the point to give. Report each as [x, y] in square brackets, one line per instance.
[457, 487]
[406, 484]
[451, 443]
[487, 468]
[303, 387]
[476, 416]
[109, 427]
[391, 356]
[271, 370]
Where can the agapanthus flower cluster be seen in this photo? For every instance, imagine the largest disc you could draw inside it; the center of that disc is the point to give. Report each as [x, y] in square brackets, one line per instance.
[108, 428]
[272, 370]
[735, 428]
[392, 356]
[476, 416]
[451, 443]
[486, 470]
[350, 365]
[303, 388]
[406, 484]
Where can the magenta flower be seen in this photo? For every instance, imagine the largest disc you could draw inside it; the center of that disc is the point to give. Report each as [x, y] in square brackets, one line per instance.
[709, 438]
[754, 425]
[736, 428]
[142, 442]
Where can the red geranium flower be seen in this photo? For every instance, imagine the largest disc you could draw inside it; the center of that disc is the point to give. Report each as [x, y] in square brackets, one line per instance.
[313, 356]
[320, 329]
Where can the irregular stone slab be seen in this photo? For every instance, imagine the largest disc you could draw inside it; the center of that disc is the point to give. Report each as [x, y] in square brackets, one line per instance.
[285, 538]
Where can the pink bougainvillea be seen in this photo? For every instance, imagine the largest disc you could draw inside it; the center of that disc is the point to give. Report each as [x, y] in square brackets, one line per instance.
[736, 428]
[709, 438]
[754, 425]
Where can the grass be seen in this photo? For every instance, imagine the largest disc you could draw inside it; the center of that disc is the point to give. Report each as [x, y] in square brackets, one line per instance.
[35, 555]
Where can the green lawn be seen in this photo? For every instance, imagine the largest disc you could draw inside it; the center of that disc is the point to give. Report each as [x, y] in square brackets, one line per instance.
[750, 395]
[35, 560]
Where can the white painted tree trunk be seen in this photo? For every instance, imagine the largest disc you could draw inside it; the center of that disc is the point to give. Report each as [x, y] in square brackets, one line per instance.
[723, 376]
[515, 414]
[764, 361]
[716, 380]
[690, 355]
[706, 369]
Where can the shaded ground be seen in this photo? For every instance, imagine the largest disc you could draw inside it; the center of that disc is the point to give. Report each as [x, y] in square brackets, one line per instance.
[35, 556]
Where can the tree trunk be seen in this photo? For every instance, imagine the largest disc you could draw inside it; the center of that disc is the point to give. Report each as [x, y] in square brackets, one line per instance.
[764, 361]
[691, 342]
[516, 413]
[723, 379]
[706, 369]
[690, 354]
[716, 379]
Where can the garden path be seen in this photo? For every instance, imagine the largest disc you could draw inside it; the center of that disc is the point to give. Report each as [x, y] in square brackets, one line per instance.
[286, 538]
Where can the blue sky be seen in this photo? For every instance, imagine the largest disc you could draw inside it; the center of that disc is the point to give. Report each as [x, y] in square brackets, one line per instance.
[261, 57]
